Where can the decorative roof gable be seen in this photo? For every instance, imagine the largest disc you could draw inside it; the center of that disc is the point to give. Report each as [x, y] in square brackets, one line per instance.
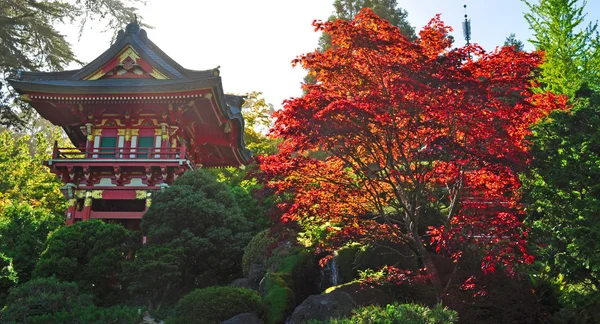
[127, 64]
[132, 55]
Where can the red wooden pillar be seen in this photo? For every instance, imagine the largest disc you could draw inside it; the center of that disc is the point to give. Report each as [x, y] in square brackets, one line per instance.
[87, 206]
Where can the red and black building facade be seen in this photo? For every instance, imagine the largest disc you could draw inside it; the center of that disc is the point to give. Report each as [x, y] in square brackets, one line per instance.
[137, 120]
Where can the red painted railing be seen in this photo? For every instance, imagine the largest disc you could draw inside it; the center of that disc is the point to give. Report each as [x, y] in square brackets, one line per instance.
[168, 153]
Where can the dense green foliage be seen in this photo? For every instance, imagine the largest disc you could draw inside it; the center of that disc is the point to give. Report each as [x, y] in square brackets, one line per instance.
[571, 56]
[243, 182]
[42, 296]
[8, 276]
[562, 186]
[92, 315]
[89, 253]
[196, 238]
[565, 195]
[399, 314]
[215, 304]
[23, 233]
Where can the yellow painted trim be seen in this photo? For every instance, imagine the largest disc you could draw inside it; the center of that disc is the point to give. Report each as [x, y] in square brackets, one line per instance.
[128, 52]
[140, 194]
[88, 199]
[95, 76]
[128, 134]
[157, 75]
[97, 194]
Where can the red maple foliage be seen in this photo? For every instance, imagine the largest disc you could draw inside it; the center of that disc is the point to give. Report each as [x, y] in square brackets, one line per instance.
[395, 132]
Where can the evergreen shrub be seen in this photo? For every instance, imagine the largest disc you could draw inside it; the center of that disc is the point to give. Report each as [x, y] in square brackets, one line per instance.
[196, 238]
[93, 315]
[88, 253]
[215, 304]
[42, 296]
[398, 314]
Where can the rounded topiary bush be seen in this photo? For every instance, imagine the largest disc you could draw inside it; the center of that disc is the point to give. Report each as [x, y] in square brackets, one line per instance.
[215, 304]
[88, 253]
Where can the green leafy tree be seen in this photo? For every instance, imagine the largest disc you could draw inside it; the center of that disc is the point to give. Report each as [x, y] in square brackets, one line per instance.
[571, 56]
[8, 277]
[243, 183]
[23, 177]
[23, 233]
[565, 200]
[196, 238]
[87, 253]
[513, 41]
[30, 40]
[257, 116]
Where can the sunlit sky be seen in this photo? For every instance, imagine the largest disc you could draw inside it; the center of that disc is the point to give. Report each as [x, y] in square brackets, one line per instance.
[254, 41]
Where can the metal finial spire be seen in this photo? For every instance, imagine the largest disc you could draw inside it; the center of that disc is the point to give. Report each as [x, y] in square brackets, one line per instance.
[467, 27]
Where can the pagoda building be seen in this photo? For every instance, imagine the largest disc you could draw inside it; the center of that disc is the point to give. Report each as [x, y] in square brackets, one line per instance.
[137, 120]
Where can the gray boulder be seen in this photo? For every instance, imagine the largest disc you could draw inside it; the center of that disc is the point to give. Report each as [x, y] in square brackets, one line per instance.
[262, 287]
[245, 318]
[244, 283]
[364, 295]
[323, 307]
[256, 273]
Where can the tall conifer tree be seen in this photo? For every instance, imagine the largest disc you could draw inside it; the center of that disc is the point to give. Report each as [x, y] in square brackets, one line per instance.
[571, 56]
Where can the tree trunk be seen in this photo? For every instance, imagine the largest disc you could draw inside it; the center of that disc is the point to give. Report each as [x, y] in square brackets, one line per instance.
[429, 268]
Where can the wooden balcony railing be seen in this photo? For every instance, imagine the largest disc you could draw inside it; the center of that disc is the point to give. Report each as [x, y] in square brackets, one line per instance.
[130, 153]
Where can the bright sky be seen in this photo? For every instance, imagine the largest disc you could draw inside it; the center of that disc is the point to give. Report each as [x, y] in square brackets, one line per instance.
[254, 41]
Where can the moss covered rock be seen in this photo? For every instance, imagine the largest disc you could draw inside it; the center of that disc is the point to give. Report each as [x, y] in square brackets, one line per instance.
[279, 300]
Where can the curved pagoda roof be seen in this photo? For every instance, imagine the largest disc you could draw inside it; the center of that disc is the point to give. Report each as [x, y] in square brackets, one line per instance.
[134, 71]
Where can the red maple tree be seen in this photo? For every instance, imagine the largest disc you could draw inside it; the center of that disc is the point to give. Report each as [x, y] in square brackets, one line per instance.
[396, 136]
